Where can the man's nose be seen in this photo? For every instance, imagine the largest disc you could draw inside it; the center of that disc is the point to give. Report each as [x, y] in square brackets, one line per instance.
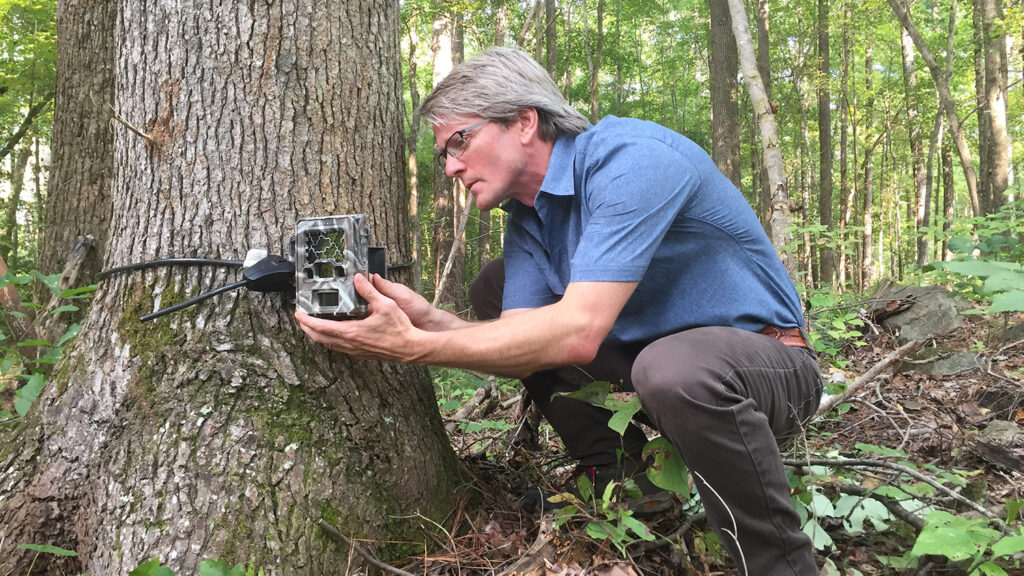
[453, 166]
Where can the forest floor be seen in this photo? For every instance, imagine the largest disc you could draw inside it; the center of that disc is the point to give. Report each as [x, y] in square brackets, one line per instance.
[929, 422]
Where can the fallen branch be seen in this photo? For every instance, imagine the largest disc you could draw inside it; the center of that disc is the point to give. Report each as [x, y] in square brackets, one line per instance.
[327, 527]
[830, 402]
[891, 505]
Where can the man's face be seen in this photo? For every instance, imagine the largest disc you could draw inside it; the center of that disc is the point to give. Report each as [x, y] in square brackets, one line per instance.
[480, 153]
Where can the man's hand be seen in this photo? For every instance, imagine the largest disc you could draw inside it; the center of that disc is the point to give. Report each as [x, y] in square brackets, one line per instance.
[415, 306]
[387, 333]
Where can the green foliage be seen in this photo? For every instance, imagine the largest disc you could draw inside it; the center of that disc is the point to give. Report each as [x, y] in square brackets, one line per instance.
[990, 265]
[963, 540]
[834, 327]
[28, 39]
[30, 362]
[47, 549]
[605, 518]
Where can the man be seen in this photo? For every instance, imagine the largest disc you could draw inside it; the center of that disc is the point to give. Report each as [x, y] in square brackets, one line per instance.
[628, 257]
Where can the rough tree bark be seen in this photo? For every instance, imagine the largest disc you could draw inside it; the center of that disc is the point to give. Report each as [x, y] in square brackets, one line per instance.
[82, 155]
[221, 431]
[725, 114]
[780, 218]
[551, 39]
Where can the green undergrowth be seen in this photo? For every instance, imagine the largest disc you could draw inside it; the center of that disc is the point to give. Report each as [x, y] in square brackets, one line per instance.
[27, 364]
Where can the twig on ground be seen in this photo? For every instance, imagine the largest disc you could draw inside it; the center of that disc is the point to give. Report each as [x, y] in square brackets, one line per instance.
[889, 466]
[646, 546]
[1008, 346]
[362, 551]
[905, 435]
[831, 402]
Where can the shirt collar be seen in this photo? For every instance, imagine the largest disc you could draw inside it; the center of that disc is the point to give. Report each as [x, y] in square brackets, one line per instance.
[558, 180]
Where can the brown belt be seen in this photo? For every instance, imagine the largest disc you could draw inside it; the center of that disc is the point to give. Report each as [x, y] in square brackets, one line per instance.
[788, 336]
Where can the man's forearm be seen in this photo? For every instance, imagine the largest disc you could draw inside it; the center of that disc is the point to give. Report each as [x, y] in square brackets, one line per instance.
[442, 320]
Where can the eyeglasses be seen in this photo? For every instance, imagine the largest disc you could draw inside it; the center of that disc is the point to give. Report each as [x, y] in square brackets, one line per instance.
[456, 143]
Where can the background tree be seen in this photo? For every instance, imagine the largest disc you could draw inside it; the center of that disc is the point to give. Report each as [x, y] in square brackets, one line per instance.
[222, 430]
[825, 152]
[725, 115]
[83, 163]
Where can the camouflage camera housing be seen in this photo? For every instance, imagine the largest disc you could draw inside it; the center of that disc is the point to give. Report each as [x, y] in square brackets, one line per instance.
[328, 253]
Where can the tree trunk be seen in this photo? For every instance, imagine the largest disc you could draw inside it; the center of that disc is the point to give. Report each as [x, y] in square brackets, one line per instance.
[445, 209]
[551, 38]
[764, 68]
[594, 64]
[1000, 150]
[9, 240]
[412, 144]
[780, 218]
[825, 253]
[866, 265]
[83, 154]
[844, 147]
[948, 197]
[221, 431]
[946, 103]
[933, 144]
[981, 102]
[725, 115]
[39, 206]
[916, 147]
[483, 242]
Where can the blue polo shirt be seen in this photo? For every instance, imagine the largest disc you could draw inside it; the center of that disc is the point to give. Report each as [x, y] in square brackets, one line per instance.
[632, 201]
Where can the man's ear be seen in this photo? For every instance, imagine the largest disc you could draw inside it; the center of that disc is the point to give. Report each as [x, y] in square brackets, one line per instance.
[527, 125]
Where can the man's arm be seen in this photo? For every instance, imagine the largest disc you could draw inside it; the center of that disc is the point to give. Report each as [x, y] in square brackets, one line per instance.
[567, 332]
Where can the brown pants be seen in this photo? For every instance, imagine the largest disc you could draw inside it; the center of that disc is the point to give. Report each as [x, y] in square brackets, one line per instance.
[723, 397]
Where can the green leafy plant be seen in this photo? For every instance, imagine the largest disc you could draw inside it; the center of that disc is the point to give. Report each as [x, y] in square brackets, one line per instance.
[834, 327]
[605, 515]
[990, 264]
[30, 362]
[44, 549]
[960, 539]
[605, 518]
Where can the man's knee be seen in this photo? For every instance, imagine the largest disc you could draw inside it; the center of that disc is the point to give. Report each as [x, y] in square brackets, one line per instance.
[485, 293]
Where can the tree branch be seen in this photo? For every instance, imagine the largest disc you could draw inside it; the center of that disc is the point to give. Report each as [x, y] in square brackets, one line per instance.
[34, 111]
[334, 532]
[885, 465]
[831, 402]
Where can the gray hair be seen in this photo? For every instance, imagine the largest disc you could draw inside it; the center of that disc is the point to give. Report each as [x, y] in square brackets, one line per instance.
[496, 85]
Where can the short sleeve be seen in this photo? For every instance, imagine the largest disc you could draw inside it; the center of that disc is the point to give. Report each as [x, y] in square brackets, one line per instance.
[634, 191]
